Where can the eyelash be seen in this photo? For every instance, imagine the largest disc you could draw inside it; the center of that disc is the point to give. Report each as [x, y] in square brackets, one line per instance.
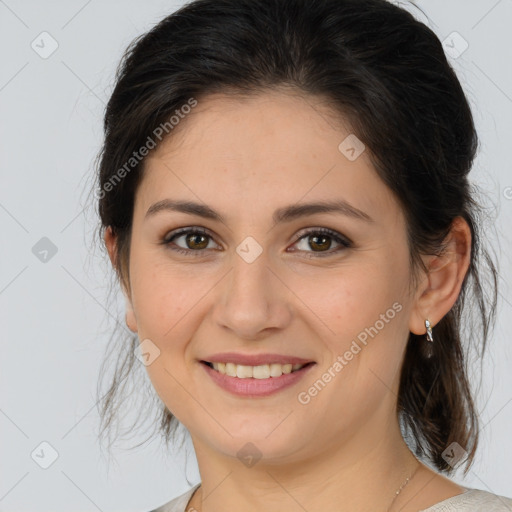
[344, 242]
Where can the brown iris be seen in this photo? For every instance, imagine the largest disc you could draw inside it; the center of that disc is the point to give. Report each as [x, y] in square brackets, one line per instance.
[324, 238]
[194, 236]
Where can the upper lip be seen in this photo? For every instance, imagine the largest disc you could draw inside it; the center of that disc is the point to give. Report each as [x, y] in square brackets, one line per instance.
[255, 359]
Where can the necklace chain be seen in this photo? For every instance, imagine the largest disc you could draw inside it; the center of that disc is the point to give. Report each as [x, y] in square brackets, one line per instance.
[408, 479]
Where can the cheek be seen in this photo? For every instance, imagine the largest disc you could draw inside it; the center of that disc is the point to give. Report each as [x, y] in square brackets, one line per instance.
[352, 298]
[163, 294]
[366, 314]
[167, 303]
[363, 326]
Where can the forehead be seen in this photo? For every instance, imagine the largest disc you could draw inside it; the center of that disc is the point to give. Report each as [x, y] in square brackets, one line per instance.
[272, 148]
[275, 122]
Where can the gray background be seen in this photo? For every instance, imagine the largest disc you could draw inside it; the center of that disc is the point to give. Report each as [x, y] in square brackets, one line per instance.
[55, 317]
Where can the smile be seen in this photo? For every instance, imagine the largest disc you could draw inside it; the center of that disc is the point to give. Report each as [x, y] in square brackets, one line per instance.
[254, 381]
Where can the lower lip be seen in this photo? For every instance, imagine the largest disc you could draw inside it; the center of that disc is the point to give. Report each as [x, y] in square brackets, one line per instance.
[252, 387]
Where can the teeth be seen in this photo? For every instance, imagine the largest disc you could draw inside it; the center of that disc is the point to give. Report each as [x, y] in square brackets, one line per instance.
[243, 372]
[263, 371]
[231, 369]
[276, 370]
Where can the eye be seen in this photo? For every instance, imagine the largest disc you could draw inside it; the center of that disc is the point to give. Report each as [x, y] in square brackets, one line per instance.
[195, 241]
[321, 239]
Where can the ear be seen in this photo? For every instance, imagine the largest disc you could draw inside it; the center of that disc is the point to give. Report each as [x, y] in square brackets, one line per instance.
[111, 245]
[438, 291]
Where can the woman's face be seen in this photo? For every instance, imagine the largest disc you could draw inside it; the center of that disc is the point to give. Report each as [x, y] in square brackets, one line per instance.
[263, 281]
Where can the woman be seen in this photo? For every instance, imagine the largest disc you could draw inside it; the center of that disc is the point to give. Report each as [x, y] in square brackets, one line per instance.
[283, 193]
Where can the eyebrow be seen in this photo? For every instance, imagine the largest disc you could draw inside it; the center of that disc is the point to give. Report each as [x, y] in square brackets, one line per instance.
[285, 214]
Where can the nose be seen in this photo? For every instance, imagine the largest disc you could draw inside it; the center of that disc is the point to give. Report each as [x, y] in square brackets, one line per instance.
[252, 300]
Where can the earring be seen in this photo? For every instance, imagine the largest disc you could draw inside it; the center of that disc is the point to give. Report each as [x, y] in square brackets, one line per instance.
[429, 330]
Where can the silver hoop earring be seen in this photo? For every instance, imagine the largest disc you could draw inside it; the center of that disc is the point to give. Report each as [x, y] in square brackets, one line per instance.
[429, 330]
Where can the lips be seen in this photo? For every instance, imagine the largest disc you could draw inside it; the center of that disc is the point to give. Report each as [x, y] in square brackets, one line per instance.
[255, 375]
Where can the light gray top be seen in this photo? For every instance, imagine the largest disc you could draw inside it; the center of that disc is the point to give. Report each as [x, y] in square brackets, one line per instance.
[471, 500]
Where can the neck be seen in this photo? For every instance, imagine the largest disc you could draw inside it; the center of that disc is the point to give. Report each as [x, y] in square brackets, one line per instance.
[362, 474]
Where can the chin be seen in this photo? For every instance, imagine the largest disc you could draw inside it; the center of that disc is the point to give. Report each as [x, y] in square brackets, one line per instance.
[252, 445]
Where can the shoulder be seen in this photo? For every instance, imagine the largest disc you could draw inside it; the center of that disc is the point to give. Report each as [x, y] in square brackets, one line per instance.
[473, 500]
[178, 504]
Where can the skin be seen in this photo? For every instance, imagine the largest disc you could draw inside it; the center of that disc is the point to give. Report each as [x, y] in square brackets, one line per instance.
[344, 448]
